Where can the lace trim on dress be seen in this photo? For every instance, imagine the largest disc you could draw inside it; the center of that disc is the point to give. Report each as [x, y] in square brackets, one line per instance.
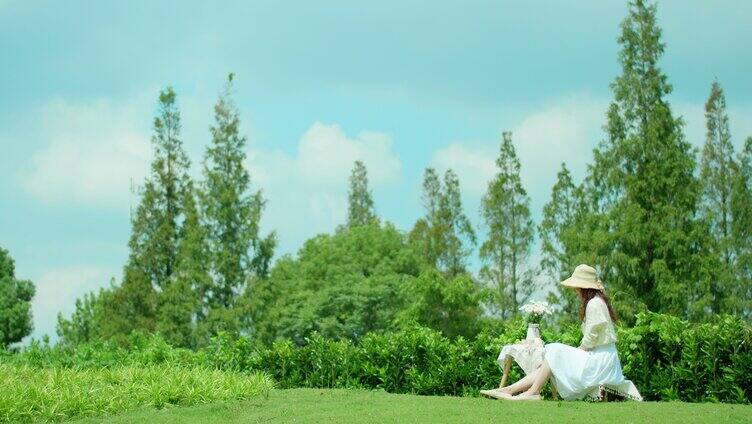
[597, 394]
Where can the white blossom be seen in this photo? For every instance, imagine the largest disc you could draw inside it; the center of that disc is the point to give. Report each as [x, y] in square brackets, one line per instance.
[537, 308]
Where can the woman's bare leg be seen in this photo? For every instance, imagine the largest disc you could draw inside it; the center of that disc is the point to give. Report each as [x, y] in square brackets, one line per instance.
[542, 375]
[521, 384]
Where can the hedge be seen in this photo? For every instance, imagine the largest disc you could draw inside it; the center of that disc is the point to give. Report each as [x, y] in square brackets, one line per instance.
[667, 358]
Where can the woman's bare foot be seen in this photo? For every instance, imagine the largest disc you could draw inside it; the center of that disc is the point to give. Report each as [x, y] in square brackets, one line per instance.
[526, 396]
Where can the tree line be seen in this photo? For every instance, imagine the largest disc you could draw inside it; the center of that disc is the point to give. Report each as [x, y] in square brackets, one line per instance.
[669, 229]
[667, 233]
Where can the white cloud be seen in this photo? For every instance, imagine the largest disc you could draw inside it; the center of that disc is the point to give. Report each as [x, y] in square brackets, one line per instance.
[475, 165]
[326, 155]
[307, 191]
[94, 151]
[565, 131]
[57, 291]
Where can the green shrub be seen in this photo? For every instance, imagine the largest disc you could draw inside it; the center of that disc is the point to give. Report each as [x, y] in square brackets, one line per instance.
[667, 358]
[140, 349]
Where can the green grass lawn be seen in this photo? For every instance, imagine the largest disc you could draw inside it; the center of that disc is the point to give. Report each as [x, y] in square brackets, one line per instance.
[358, 406]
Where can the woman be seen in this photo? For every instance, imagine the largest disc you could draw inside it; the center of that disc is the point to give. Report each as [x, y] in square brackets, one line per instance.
[579, 372]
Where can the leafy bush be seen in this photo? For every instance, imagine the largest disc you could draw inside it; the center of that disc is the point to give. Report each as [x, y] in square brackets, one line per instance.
[667, 358]
[140, 349]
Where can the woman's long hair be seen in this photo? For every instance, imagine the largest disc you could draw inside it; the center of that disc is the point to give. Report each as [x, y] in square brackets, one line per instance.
[587, 294]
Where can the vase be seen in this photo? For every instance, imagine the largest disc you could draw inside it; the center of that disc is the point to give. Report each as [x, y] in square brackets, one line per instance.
[533, 331]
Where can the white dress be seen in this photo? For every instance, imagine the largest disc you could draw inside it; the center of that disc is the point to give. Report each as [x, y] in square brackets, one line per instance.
[578, 373]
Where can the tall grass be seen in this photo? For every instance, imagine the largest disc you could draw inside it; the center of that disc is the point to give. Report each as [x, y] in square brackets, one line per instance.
[54, 394]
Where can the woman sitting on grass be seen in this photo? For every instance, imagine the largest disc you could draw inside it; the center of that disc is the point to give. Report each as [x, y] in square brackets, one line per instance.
[579, 372]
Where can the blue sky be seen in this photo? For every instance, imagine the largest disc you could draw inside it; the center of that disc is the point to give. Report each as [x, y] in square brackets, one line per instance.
[399, 84]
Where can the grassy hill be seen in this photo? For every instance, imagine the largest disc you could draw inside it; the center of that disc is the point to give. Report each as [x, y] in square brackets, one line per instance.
[358, 406]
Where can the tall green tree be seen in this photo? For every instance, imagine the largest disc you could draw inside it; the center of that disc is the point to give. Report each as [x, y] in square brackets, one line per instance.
[643, 183]
[559, 223]
[182, 304]
[426, 234]
[717, 178]
[740, 298]
[155, 234]
[444, 236]
[15, 303]
[360, 201]
[459, 235]
[231, 211]
[505, 209]
[156, 225]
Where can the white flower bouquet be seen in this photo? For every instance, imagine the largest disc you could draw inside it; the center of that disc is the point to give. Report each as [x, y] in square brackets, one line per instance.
[536, 310]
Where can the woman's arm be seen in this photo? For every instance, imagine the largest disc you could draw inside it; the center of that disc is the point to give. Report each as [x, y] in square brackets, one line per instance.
[596, 317]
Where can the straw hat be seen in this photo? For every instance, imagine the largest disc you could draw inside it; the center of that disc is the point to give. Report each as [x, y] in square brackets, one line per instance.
[583, 277]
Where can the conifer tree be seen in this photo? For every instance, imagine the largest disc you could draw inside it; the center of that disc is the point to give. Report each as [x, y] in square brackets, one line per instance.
[558, 224]
[425, 234]
[231, 212]
[505, 209]
[181, 304]
[444, 236]
[643, 183]
[132, 305]
[155, 226]
[717, 184]
[360, 200]
[459, 236]
[740, 296]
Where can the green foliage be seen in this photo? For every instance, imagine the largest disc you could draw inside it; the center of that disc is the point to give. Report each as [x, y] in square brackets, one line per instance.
[182, 304]
[741, 228]
[231, 212]
[191, 252]
[558, 240]
[89, 321]
[717, 178]
[156, 225]
[15, 303]
[452, 306]
[342, 286]
[148, 298]
[642, 232]
[506, 212]
[54, 383]
[670, 359]
[56, 394]
[667, 358]
[444, 237]
[664, 241]
[360, 209]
